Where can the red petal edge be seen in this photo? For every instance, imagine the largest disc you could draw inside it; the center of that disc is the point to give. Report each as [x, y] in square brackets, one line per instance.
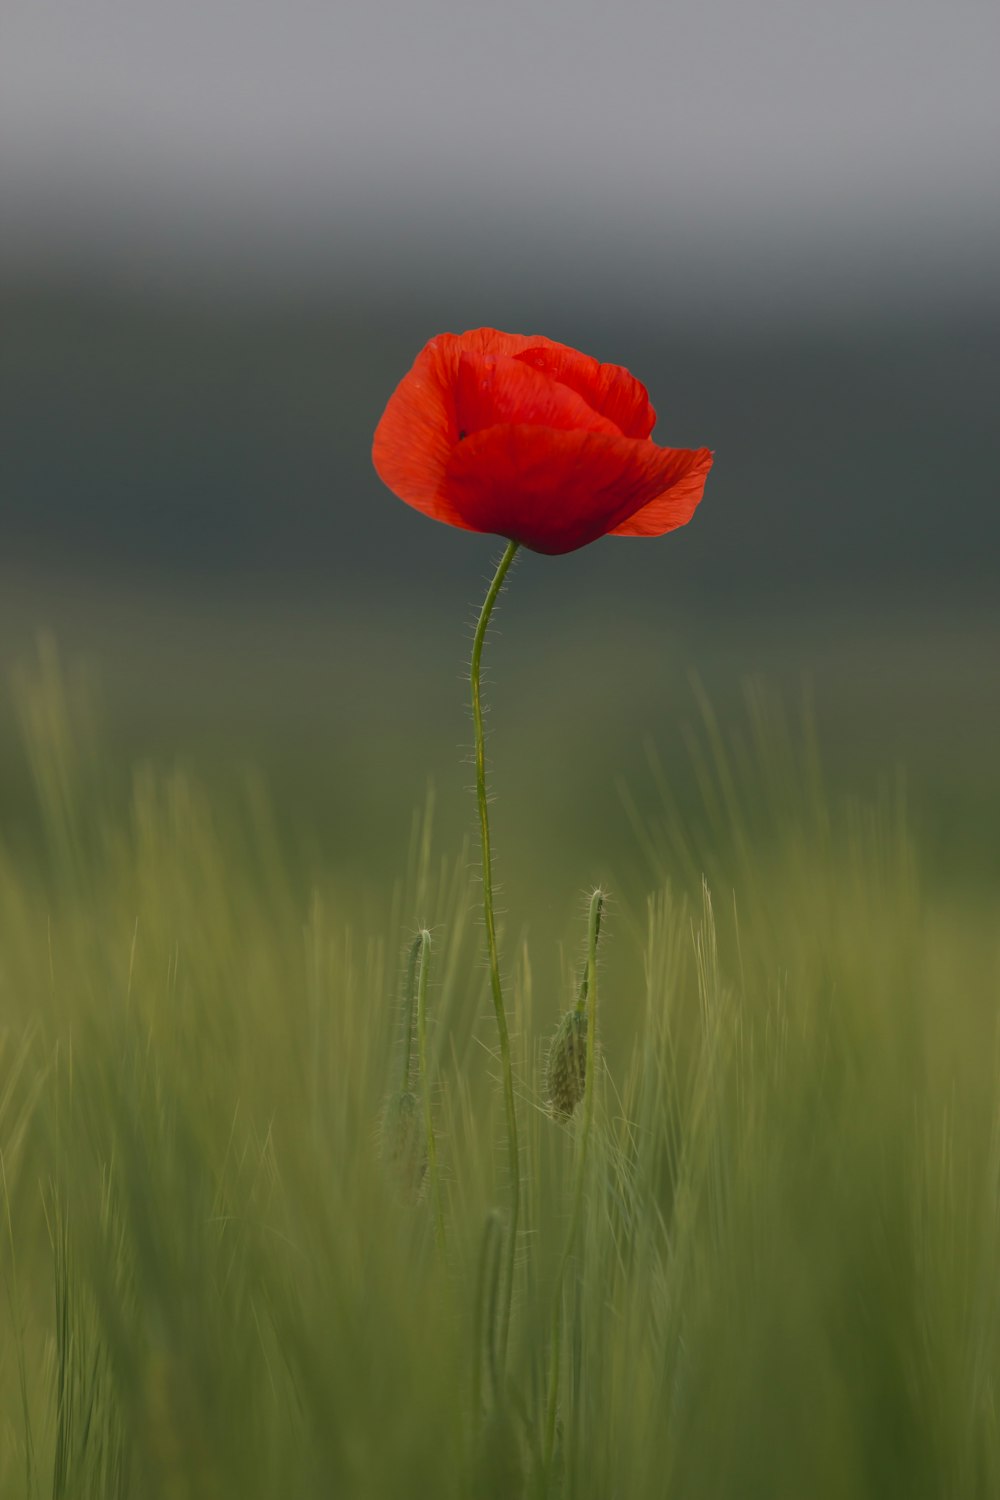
[557, 491]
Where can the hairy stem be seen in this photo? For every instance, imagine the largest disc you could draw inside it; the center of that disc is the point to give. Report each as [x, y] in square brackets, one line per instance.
[596, 912]
[491, 944]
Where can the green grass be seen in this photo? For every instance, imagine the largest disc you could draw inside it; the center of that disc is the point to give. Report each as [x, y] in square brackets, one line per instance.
[782, 1280]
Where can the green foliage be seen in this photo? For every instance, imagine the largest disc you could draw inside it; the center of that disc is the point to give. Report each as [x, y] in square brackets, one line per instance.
[783, 1282]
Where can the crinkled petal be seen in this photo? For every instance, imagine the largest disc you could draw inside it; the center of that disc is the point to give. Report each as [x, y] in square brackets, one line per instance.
[492, 341]
[418, 431]
[556, 491]
[674, 507]
[609, 389]
[457, 386]
[494, 389]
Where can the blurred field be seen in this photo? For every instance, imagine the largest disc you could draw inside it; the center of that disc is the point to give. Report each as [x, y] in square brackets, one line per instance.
[784, 1283]
[350, 706]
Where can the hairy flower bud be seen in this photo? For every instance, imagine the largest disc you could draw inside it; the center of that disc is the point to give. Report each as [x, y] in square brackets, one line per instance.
[566, 1067]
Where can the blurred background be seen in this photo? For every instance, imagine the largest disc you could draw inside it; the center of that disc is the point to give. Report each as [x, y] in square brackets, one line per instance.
[227, 229]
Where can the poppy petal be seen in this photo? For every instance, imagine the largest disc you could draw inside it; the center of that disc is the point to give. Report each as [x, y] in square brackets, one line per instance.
[609, 389]
[556, 491]
[492, 341]
[418, 431]
[674, 507]
[492, 389]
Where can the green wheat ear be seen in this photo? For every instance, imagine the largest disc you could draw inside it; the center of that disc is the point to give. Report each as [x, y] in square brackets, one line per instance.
[402, 1140]
[408, 1144]
[566, 1065]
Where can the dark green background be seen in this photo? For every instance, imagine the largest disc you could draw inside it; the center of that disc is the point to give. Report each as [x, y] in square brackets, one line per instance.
[189, 507]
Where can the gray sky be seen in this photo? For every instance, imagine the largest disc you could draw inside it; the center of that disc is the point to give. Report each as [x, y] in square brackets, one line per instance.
[858, 138]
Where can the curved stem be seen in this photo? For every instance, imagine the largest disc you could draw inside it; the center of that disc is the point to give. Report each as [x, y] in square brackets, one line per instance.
[491, 942]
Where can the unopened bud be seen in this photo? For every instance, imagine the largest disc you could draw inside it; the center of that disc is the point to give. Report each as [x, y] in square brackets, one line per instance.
[566, 1068]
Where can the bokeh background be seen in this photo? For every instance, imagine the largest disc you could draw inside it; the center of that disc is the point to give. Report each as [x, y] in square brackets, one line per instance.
[227, 228]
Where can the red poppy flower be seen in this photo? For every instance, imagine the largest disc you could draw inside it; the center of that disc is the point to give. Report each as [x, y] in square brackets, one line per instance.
[534, 441]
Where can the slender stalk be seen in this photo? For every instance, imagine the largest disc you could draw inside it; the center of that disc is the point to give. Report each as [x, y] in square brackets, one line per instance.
[425, 965]
[593, 934]
[491, 943]
[588, 990]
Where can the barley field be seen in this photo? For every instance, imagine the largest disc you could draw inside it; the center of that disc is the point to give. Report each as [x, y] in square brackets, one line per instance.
[255, 1181]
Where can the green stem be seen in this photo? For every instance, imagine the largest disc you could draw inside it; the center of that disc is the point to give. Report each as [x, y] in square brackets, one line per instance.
[491, 942]
[597, 911]
[425, 965]
[590, 981]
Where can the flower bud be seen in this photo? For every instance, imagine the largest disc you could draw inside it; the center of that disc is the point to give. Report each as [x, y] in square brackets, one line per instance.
[566, 1067]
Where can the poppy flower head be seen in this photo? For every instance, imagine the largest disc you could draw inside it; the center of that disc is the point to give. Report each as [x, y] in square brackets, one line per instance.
[534, 441]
